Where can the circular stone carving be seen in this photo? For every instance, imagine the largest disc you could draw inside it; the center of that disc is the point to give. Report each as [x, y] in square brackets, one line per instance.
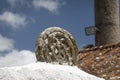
[56, 45]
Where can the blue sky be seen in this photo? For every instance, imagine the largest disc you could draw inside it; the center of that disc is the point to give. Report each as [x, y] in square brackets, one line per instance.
[21, 22]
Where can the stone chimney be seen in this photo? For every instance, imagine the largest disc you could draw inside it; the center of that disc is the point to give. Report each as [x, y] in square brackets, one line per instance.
[107, 22]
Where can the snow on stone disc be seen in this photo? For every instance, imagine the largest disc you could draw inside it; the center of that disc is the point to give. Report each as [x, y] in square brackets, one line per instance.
[56, 45]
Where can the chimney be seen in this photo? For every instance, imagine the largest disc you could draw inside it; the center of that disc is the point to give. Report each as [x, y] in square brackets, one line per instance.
[107, 22]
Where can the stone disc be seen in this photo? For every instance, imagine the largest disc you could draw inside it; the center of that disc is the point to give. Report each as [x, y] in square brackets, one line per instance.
[56, 45]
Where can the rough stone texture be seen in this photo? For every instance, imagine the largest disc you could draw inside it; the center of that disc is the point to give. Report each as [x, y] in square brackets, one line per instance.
[56, 45]
[107, 22]
[102, 61]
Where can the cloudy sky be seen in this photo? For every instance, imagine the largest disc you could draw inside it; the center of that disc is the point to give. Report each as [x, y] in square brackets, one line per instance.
[21, 22]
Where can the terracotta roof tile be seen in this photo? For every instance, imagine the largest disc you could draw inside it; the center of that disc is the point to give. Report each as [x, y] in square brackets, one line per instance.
[102, 61]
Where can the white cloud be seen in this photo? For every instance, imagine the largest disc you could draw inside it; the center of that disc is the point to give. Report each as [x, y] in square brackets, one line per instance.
[51, 5]
[13, 20]
[6, 43]
[13, 57]
[17, 58]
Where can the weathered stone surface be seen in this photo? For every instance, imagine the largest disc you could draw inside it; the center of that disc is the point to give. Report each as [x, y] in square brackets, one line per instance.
[107, 22]
[56, 45]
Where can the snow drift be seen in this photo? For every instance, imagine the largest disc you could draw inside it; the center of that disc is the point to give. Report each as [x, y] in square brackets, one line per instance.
[44, 71]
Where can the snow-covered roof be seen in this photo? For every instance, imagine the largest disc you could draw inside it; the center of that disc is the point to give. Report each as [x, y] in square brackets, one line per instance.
[44, 71]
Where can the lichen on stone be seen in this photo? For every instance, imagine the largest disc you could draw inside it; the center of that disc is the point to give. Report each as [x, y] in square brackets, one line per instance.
[56, 45]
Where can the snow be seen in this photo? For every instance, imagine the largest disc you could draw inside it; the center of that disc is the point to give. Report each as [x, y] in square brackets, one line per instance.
[44, 71]
[49, 31]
